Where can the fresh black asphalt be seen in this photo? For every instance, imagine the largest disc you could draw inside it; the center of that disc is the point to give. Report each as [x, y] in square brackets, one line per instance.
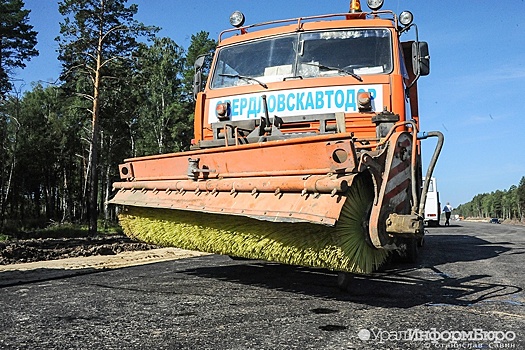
[466, 291]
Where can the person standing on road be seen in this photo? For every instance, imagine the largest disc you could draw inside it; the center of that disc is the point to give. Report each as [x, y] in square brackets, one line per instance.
[448, 210]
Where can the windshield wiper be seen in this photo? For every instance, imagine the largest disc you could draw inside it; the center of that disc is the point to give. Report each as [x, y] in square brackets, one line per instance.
[340, 70]
[245, 78]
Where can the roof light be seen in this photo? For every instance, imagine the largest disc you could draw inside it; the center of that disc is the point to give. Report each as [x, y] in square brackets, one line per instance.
[375, 5]
[406, 18]
[355, 6]
[237, 19]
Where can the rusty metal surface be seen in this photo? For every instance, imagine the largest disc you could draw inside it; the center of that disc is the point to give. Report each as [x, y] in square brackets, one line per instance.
[404, 224]
[303, 184]
[290, 180]
[283, 207]
[395, 189]
[305, 156]
[285, 181]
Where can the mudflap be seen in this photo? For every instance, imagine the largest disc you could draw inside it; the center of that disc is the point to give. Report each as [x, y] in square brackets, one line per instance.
[391, 215]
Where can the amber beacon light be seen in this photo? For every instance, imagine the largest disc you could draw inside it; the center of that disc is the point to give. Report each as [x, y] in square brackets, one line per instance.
[355, 6]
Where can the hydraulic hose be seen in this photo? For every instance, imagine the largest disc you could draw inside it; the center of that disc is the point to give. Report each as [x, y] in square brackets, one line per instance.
[431, 166]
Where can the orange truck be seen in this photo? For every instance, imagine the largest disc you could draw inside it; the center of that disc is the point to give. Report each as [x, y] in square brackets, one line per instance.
[307, 147]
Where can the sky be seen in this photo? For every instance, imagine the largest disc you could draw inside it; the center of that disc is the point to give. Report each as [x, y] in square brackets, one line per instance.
[474, 95]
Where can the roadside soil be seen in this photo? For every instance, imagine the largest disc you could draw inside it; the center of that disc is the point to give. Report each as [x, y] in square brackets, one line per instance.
[42, 249]
[40, 259]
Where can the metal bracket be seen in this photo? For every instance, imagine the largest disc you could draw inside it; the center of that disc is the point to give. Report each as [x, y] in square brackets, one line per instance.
[404, 224]
[194, 170]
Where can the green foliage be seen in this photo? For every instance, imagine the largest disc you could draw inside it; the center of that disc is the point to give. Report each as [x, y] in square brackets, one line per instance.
[54, 139]
[200, 45]
[17, 40]
[97, 39]
[59, 230]
[38, 169]
[506, 204]
[71, 230]
[161, 111]
[96, 27]
[519, 197]
[46, 134]
[163, 81]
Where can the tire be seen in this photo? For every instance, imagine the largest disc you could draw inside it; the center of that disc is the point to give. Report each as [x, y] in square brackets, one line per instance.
[409, 250]
[344, 280]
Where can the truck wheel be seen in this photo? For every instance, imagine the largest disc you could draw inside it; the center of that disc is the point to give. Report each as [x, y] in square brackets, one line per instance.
[411, 251]
[344, 279]
[408, 251]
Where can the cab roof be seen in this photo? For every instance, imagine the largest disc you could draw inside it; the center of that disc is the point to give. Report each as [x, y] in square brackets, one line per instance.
[382, 19]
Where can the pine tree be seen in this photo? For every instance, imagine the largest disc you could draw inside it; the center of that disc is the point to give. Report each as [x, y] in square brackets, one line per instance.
[200, 45]
[17, 41]
[159, 87]
[521, 198]
[95, 34]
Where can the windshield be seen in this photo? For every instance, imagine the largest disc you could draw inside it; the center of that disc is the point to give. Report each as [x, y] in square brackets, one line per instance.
[306, 55]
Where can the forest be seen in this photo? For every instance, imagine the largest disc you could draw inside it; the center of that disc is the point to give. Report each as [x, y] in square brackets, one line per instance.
[123, 92]
[503, 204]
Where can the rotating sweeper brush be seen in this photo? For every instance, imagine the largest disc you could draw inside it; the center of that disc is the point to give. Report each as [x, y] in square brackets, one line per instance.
[330, 218]
[306, 148]
[343, 247]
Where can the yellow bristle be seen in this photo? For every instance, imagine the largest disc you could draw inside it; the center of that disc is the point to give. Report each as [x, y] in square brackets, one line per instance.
[342, 248]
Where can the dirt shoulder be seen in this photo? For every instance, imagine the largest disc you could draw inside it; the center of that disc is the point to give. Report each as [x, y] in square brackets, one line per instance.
[33, 260]
[17, 251]
[124, 259]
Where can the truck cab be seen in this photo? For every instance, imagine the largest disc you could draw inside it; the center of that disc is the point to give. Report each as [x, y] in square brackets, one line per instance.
[309, 76]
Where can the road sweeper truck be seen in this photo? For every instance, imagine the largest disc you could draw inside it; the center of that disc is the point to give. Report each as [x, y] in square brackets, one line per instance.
[307, 147]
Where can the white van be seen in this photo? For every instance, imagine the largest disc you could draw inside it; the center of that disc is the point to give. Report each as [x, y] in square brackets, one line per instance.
[432, 205]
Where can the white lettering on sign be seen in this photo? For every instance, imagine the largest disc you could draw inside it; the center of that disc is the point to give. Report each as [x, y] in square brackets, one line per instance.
[298, 102]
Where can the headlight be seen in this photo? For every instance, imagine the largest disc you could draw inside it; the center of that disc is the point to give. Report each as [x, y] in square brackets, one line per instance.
[406, 18]
[375, 5]
[364, 101]
[237, 19]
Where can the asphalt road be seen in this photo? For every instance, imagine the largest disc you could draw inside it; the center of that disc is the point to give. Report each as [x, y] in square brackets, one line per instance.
[465, 292]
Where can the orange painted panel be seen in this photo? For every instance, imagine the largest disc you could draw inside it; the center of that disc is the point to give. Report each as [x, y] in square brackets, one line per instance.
[287, 207]
[309, 155]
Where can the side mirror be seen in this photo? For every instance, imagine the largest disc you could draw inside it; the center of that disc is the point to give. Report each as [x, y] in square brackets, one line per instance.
[197, 77]
[199, 62]
[420, 58]
[197, 84]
